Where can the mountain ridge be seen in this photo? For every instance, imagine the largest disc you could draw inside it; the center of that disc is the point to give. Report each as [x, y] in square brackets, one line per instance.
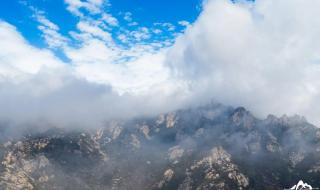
[209, 147]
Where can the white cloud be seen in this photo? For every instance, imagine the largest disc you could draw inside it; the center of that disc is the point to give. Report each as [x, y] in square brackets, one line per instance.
[36, 88]
[93, 6]
[123, 38]
[109, 19]
[18, 58]
[133, 24]
[157, 31]
[50, 32]
[168, 26]
[138, 76]
[94, 30]
[101, 81]
[44, 21]
[142, 33]
[262, 55]
[128, 16]
[184, 23]
[91, 51]
[55, 99]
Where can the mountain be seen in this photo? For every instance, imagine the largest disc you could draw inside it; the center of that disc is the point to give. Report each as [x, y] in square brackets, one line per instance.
[209, 147]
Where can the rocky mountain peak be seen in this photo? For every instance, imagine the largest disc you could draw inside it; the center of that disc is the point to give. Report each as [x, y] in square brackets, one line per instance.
[211, 147]
[241, 117]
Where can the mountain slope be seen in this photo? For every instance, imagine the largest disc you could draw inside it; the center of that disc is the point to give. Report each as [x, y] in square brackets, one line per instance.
[210, 147]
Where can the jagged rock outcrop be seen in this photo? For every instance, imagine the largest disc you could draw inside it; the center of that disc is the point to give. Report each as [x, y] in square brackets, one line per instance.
[210, 147]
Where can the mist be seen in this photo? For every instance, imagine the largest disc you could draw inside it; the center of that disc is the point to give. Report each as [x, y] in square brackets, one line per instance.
[262, 55]
[160, 108]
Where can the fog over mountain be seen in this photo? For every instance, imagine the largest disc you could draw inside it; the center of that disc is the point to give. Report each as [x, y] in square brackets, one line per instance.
[229, 101]
[262, 55]
[209, 147]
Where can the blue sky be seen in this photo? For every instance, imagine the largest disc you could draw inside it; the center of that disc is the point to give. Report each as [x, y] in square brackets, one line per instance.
[160, 54]
[107, 41]
[21, 14]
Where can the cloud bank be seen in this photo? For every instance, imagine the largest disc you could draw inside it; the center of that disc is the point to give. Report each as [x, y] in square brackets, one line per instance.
[263, 55]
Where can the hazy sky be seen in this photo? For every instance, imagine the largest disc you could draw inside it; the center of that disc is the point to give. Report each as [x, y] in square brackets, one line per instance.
[78, 62]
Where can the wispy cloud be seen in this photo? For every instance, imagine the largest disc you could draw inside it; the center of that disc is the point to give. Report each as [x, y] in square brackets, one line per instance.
[50, 32]
[262, 55]
[93, 6]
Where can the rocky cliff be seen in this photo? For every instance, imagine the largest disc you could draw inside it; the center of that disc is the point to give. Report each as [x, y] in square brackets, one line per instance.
[210, 147]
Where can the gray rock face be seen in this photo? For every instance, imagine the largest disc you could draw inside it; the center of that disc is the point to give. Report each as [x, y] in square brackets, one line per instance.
[210, 147]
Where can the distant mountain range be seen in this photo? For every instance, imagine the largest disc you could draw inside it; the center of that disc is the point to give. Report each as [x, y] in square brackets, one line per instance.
[209, 147]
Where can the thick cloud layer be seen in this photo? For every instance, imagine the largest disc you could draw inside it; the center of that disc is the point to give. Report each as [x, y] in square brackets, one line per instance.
[37, 89]
[263, 55]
